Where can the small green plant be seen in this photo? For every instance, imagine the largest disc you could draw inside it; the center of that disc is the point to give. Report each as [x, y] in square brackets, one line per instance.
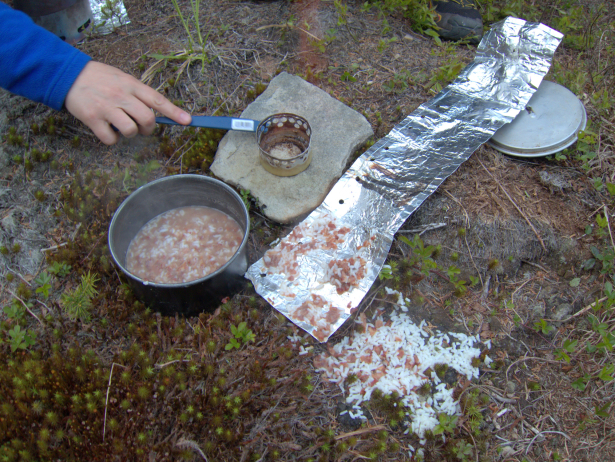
[16, 310]
[388, 271]
[383, 44]
[342, 12]
[399, 83]
[447, 424]
[444, 74]
[585, 147]
[77, 302]
[43, 282]
[569, 346]
[321, 44]
[241, 335]
[245, 197]
[195, 6]
[348, 77]
[21, 339]
[463, 451]
[60, 269]
[459, 284]
[543, 326]
[418, 12]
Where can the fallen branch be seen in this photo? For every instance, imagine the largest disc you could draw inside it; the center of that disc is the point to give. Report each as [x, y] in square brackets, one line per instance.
[608, 223]
[54, 247]
[160, 366]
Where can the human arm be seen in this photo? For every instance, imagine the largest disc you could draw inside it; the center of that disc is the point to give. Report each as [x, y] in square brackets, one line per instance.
[38, 65]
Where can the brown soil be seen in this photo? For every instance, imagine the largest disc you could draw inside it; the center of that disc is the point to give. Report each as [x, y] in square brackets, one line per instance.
[524, 238]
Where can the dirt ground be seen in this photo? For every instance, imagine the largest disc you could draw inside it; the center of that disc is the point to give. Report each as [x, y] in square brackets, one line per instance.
[518, 225]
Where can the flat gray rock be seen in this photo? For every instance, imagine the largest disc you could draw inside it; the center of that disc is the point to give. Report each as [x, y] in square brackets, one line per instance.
[337, 131]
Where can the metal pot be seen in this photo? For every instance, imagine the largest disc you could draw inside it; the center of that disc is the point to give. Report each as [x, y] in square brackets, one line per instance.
[169, 193]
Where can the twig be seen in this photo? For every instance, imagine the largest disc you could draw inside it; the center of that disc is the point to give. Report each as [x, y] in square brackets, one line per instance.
[228, 97]
[422, 229]
[512, 297]
[536, 265]
[54, 247]
[516, 206]
[171, 362]
[580, 312]
[465, 237]
[540, 433]
[527, 358]
[606, 214]
[360, 432]
[501, 398]
[486, 288]
[26, 306]
[77, 228]
[21, 277]
[287, 26]
[43, 305]
[184, 443]
[107, 399]
[476, 451]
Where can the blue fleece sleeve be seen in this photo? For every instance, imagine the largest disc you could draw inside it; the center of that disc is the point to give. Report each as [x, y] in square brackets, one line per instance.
[34, 62]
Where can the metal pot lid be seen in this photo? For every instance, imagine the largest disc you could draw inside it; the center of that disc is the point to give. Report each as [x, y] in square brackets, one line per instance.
[550, 122]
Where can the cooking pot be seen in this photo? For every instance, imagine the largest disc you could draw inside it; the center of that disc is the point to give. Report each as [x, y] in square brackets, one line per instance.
[166, 194]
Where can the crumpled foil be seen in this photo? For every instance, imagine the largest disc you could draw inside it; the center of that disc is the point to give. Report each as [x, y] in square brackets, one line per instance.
[392, 179]
[108, 15]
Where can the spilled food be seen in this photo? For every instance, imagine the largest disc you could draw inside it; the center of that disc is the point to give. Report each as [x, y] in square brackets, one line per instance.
[394, 355]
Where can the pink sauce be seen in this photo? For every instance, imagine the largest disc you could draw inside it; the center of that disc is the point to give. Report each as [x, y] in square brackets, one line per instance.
[183, 244]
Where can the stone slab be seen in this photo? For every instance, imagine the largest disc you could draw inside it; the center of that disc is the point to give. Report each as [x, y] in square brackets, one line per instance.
[338, 131]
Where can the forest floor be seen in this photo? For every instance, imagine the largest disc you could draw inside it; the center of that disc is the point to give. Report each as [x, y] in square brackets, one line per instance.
[89, 373]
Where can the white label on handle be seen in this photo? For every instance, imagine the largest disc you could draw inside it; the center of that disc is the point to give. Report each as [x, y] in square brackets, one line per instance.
[243, 124]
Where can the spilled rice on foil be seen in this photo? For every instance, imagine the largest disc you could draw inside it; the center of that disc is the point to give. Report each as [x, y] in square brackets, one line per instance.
[322, 235]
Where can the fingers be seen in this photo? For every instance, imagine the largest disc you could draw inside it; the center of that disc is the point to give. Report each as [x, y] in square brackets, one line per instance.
[159, 103]
[104, 132]
[142, 115]
[125, 124]
[103, 96]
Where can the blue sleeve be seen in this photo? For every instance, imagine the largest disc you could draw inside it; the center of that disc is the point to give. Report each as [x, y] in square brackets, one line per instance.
[34, 62]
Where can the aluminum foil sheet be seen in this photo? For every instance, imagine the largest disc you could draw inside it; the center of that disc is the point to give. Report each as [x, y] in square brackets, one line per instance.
[305, 276]
[108, 15]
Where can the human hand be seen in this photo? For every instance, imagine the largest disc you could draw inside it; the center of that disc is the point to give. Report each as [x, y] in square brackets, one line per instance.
[103, 95]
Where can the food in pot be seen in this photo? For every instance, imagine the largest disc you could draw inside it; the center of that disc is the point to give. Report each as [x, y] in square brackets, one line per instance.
[183, 244]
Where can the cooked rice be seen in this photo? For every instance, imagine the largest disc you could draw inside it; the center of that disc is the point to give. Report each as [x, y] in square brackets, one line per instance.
[393, 356]
[183, 244]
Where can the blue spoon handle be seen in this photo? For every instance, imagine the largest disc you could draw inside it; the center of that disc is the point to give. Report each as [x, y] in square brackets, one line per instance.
[222, 123]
